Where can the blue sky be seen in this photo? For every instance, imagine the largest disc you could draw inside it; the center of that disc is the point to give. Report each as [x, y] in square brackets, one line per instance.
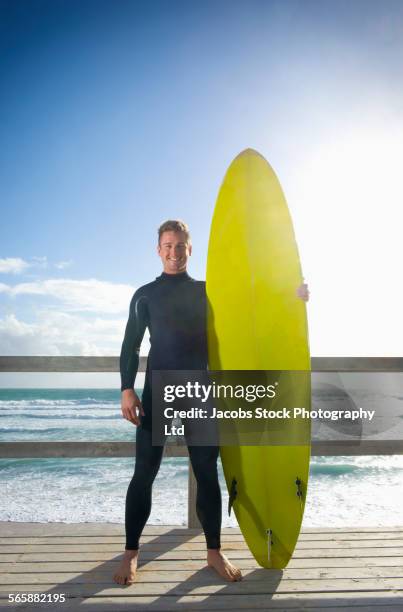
[118, 115]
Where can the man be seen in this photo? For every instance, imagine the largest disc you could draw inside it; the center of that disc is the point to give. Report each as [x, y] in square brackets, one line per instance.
[173, 307]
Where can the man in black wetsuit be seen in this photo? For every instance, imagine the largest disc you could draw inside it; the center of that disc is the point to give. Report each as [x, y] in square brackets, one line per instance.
[173, 307]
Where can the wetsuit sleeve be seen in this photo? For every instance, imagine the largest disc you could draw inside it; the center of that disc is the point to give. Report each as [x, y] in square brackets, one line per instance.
[135, 328]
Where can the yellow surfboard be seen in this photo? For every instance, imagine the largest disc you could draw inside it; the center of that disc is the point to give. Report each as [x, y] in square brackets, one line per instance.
[257, 322]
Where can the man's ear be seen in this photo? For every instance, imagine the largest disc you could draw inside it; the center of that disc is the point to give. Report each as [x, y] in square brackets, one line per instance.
[190, 249]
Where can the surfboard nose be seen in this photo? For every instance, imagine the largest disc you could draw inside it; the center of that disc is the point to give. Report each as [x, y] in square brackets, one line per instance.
[249, 151]
[249, 154]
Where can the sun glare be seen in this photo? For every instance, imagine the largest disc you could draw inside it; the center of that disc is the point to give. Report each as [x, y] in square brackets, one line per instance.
[347, 204]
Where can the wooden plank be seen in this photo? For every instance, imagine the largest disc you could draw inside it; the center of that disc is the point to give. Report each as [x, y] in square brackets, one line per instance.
[12, 528]
[204, 575]
[357, 529]
[236, 537]
[105, 604]
[82, 449]
[15, 528]
[201, 554]
[270, 586]
[9, 558]
[63, 363]
[326, 560]
[145, 604]
[161, 545]
[67, 363]
[364, 602]
[384, 564]
[357, 364]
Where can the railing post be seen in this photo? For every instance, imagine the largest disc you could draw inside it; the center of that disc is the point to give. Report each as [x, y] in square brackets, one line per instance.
[193, 521]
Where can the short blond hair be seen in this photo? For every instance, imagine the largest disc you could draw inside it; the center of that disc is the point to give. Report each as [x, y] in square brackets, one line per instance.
[174, 225]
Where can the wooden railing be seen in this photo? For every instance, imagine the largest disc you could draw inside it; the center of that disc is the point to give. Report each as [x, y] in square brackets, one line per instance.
[68, 449]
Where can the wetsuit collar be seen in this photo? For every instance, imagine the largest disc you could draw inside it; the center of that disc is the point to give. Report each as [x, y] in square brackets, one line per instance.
[174, 277]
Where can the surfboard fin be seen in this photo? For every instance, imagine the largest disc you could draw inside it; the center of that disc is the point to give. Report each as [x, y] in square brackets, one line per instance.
[269, 534]
[232, 495]
[300, 495]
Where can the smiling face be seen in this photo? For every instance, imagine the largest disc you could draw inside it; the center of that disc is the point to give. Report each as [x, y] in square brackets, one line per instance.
[174, 250]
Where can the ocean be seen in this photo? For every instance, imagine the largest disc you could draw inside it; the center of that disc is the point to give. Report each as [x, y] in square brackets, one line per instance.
[343, 491]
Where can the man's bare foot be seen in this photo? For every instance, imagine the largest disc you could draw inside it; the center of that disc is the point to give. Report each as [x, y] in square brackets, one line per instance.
[217, 560]
[126, 572]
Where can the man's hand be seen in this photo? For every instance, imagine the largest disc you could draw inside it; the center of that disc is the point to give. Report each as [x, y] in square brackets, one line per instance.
[131, 406]
[303, 292]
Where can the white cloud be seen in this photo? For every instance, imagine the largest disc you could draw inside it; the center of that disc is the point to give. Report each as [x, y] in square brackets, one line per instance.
[89, 295]
[13, 265]
[57, 333]
[61, 265]
[75, 325]
[40, 262]
[17, 265]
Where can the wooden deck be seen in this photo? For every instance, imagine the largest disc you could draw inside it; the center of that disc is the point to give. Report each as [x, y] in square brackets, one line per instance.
[332, 569]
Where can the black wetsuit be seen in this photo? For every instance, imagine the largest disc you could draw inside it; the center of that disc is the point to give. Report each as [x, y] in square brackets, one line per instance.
[173, 307]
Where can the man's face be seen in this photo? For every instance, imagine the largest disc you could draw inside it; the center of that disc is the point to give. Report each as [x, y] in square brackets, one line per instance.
[174, 251]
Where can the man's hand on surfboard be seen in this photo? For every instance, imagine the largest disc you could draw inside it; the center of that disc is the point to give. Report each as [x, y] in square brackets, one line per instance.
[131, 406]
[303, 292]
